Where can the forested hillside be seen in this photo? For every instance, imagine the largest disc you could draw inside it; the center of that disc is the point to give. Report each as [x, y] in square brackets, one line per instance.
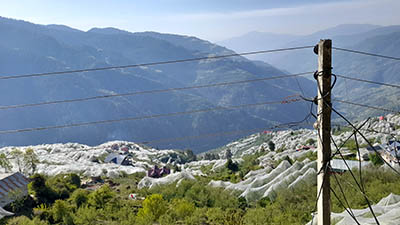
[29, 48]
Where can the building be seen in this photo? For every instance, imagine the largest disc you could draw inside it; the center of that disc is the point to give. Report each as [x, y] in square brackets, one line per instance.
[117, 159]
[391, 154]
[157, 173]
[12, 185]
[339, 165]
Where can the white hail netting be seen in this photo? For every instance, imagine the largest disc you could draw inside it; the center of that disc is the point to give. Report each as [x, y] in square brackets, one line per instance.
[171, 178]
[4, 213]
[265, 182]
[387, 211]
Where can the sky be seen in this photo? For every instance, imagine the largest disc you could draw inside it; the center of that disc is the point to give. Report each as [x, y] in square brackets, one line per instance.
[213, 20]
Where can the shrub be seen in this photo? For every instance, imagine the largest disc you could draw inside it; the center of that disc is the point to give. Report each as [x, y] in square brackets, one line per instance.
[310, 141]
[271, 146]
[64, 184]
[38, 188]
[154, 206]
[79, 197]
[101, 196]
[61, 212]
[23, 220]
[375, 159]
[230, 165]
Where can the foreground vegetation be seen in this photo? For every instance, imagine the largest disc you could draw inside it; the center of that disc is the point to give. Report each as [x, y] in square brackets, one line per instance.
[61, 200]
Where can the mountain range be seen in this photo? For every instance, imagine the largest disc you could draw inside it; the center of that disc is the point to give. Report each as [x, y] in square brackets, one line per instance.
[27, 48]
[375, 39]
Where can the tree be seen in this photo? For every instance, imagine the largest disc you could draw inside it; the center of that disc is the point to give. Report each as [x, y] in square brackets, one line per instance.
[228, 154]
[30, 161]
[17, 155]
[38, 188]
[310, 141]
[5, 163]
[231, 165]
[101, 196]
[64, 184]
[61, 212]
[79, 197]
[154, 206]
[190, 155]
[271, 146]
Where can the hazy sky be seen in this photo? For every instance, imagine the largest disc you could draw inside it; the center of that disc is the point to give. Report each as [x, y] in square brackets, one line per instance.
[208, 19]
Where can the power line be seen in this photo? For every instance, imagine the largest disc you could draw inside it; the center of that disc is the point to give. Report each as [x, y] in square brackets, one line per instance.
[369, 81]
[366, 106]
[150, 64]
[278, 126]
[366, 53]
[150, 91]
[141, 117]
[291, 124]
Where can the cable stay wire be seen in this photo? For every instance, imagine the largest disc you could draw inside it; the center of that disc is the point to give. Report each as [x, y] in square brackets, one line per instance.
[145, 117]
[365, 139]
[366, 53]
[348, 138]
[152, 91]
[6, 77]
[326, 163]
[360, 187]
[362, 105]
[348, 208]
[368, 81]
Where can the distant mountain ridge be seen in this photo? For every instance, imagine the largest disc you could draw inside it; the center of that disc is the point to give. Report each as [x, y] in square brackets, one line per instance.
[363, 37]
[29, 48]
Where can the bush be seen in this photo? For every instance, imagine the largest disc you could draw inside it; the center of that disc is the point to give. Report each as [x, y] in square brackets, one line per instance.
[178, 211]
[64, 184]
[375, 159]
[100, 197]
[256, 216]
[230, 165]
[154, 206]
[38, 188]
[23, 220]
[310, 141]
[79, 197]
[61, 212]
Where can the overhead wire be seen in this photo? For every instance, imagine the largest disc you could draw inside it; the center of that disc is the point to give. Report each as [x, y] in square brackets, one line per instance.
[152, 91]
[142, 117]
[327, 162]
[366, 106]
[275, 127]
[6, 77]
[365, 53]
[279, 126]
[367, 81]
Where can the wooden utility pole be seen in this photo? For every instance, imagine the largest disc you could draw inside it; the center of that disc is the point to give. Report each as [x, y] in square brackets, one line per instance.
[324, 131]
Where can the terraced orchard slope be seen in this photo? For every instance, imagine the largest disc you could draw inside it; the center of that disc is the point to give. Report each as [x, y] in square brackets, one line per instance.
[94, 161]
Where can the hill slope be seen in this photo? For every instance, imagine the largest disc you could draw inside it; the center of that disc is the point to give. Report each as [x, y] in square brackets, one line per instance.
[29, 48]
